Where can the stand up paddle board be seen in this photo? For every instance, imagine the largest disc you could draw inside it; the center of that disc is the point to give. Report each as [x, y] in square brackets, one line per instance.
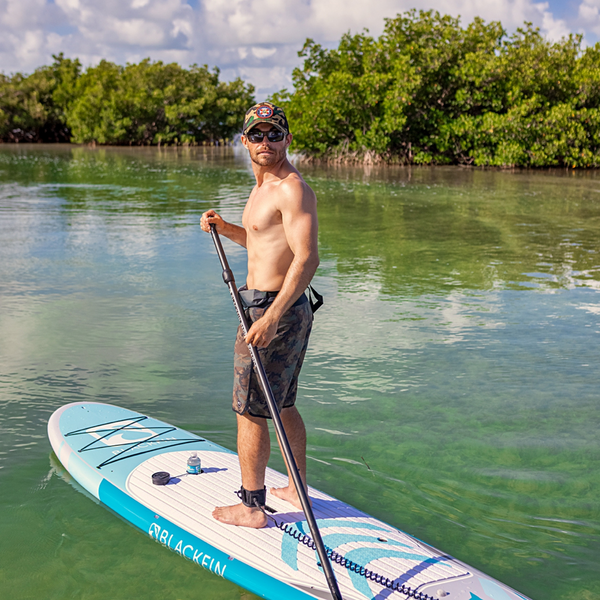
[114, 454]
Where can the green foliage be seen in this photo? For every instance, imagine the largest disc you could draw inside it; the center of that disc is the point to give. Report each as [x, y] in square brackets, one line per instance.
[429, 91]
[341, 99]
[32, 107]
[145, 103]
[154, 103]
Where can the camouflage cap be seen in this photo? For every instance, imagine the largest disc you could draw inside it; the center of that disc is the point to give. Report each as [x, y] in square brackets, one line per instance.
[265, 112]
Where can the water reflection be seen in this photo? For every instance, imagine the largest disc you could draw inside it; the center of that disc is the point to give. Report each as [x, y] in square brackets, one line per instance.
[476, 233]
[412, 231]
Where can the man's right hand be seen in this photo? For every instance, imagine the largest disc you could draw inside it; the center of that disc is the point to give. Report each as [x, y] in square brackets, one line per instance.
[210, 217]
[262, 331]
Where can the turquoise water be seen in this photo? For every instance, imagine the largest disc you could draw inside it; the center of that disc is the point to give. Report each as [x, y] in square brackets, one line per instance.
[450, 388]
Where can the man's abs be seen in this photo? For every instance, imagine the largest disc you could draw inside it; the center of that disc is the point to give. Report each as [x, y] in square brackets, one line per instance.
[269, 258]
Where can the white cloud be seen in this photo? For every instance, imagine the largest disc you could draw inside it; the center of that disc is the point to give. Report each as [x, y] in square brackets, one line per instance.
[555, 29]
[255, 39]
[263, 52]
[589, 12]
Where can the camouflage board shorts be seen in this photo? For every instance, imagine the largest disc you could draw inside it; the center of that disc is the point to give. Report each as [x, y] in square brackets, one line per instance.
[282, 360]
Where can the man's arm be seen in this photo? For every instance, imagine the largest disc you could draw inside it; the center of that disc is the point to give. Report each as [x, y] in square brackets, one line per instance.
[235, 233]
[298, 206]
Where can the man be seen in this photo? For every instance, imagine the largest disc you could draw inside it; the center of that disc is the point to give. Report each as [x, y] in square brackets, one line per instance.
[279, 230]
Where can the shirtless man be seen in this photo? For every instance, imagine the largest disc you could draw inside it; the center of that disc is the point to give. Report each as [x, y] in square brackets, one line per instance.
[279, 230]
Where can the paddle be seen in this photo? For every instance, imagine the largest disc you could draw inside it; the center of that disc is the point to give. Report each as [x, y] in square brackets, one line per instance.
[279, 429]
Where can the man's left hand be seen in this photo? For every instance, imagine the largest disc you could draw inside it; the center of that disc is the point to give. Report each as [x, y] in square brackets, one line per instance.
[262, 332]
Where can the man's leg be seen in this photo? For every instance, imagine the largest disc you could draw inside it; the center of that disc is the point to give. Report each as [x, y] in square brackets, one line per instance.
[296, 434]
[253, 450]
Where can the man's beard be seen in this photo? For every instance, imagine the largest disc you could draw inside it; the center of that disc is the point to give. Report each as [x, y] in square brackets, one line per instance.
[267, 160]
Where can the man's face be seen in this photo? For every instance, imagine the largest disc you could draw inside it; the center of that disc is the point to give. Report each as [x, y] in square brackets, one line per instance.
[266, 153]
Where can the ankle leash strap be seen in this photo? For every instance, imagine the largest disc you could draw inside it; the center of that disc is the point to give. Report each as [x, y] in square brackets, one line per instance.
[253, 499]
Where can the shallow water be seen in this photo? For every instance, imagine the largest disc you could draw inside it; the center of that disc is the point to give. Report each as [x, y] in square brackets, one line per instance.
[450, 388]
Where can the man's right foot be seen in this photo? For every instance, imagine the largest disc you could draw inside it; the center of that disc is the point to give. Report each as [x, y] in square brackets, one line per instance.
[289, 494]
[242, 515]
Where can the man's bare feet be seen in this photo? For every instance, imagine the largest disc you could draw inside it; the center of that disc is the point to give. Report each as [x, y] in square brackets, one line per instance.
[240, 514]
[288, 494]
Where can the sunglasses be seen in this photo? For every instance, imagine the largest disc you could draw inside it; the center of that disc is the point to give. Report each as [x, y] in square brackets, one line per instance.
[273, 135]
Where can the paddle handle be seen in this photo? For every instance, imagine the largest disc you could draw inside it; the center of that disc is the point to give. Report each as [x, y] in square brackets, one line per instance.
[229, 279]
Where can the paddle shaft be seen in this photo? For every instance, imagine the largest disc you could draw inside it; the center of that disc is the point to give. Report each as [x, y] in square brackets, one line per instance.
[279, 429]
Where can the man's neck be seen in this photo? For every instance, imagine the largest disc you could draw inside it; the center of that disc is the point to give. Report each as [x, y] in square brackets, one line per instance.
[276, 171]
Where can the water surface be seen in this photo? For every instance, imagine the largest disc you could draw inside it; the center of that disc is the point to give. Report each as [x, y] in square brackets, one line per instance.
[450, 388]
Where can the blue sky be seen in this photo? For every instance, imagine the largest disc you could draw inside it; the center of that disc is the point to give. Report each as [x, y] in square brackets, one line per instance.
[254, 39]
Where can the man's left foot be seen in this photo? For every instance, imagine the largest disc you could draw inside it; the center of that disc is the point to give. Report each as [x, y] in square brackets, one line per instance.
[288, 494]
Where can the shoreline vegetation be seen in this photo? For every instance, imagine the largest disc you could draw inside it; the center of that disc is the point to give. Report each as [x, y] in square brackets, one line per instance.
[428, 91]
[149, 103]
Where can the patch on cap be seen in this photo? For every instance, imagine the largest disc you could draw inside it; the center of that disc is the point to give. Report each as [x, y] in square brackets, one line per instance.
[264, 112]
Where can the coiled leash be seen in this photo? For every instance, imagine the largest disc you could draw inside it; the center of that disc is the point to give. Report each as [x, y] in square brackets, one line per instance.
[257, 498]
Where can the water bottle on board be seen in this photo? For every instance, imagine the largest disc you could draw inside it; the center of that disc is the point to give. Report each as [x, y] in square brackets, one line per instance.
[193, 464]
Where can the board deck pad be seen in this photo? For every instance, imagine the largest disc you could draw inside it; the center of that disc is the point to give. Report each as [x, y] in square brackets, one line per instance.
[113, 453]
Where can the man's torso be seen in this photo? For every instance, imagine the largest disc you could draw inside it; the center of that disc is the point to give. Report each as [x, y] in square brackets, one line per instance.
[269, 254]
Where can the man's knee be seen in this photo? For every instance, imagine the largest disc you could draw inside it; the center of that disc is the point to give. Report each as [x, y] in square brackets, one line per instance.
[248, 421]
[291, 416]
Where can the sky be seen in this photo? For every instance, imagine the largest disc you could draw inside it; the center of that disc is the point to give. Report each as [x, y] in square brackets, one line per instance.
[257, 40]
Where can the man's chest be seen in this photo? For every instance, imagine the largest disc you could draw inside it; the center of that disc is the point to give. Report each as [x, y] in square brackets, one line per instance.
[261, 212]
